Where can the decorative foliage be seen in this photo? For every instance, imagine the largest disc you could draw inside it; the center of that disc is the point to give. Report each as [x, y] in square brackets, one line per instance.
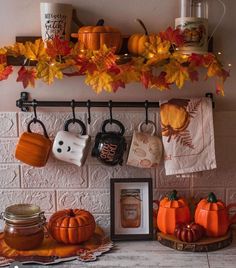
[160, 66]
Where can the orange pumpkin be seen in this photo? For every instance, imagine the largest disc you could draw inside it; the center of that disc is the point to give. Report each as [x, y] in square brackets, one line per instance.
[172, 210]
[189, 232]
[213, 215]
[94, 37]
[72, 226]
[136, 42]
[33, 148]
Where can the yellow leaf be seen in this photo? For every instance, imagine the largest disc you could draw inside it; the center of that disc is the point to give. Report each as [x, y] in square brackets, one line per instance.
[99, 81]
[3, 51]
[176, 73]
[48, 71]
[213, 69]
[17, 50]
[180, 57]
[36, 50]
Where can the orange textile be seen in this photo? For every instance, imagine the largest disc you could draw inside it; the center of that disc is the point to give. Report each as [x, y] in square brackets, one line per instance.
[86, 251]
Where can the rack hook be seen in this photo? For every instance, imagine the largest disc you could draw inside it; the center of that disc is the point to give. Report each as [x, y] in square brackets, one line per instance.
[34, 104]
[73, 110]
[110, 110]
[88, 104]
[146, 111]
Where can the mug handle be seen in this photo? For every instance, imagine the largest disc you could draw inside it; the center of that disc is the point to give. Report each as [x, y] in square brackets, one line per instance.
[72, 121]
[35, 120]
[232, 220]
[116, 122]
[140, 126]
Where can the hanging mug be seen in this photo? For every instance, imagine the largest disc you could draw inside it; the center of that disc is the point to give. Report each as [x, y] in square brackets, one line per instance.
[33, 148]
[145, 149]
[109, 146]
[69, 147]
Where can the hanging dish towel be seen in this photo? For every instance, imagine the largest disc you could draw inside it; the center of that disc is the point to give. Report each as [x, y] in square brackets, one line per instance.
[188, 135]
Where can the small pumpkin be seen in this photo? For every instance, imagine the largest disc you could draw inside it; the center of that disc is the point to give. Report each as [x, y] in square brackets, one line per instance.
[136, 42]
[71, 226]
[94, 37]
[213, 215]
[172, 210]
[189, 232]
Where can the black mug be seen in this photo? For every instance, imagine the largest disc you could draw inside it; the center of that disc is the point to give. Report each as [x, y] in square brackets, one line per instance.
[109, 146]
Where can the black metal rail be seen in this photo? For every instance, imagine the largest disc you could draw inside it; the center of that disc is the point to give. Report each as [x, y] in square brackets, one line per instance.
[23, 103]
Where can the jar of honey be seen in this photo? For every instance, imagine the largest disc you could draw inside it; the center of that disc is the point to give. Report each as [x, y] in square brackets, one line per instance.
[24, 226]
[130, 208]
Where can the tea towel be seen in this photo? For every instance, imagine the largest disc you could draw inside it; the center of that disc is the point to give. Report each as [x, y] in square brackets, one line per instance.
[188, 135]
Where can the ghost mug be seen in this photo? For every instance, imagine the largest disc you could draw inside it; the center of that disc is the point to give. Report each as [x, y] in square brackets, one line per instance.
[70, 147]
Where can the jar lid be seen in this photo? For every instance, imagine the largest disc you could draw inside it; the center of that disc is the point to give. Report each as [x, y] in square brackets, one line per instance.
[130, 192]
[22, 212]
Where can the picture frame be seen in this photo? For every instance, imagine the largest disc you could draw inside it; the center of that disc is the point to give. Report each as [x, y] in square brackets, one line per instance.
[131, 209]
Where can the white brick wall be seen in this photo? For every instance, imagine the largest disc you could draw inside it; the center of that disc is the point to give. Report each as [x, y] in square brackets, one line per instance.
[59, 185]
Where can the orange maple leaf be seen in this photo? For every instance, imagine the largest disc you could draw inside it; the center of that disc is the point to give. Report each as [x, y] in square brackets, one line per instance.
[173, 36]
[26, 76]
[176, 73]
[160, 81]
[57, 47]
[5, 71]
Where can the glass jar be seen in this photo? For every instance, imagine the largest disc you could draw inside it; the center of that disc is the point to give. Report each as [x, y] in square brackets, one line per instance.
[130, 208]
[194, 8]
[24, 226]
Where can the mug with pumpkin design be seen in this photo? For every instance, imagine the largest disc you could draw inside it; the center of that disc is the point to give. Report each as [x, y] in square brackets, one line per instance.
[69, 147]
[34, 148]
[146, 148]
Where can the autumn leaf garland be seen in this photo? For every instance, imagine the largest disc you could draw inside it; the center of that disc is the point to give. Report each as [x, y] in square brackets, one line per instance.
[161, 66]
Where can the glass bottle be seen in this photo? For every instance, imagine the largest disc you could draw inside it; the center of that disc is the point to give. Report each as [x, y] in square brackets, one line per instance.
[24, 226]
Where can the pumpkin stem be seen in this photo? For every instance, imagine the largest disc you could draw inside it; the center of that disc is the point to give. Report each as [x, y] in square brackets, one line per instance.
[212, 198]
[143, 26]
[100, 22]
[173, 195]
[72, 214]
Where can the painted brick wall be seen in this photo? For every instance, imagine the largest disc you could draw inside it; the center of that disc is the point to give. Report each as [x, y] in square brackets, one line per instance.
[60, 185]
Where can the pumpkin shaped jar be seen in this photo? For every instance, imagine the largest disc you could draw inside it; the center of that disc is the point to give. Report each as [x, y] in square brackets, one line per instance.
[189, 232]
[94, 37]
[213, 215]
[71, 226]
[172, 210]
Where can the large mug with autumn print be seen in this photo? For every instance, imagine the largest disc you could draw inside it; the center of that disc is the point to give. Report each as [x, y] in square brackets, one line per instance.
[146, 147]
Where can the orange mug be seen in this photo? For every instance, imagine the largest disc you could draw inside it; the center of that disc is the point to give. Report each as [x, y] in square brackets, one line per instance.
[33, 148]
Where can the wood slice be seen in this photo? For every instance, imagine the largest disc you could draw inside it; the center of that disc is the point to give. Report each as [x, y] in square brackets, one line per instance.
[203, 245]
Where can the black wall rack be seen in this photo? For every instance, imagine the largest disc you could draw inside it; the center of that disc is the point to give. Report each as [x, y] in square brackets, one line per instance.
[24, 103]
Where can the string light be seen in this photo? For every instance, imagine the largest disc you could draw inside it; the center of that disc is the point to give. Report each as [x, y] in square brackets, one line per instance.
[230, 65]
[219, 53]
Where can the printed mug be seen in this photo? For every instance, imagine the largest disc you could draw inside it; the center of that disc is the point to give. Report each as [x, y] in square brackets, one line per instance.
[145, 149]
[69, 147]
[55, 20]
[109, 146]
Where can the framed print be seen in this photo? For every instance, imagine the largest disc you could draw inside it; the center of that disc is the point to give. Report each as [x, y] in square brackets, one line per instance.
[131, 209]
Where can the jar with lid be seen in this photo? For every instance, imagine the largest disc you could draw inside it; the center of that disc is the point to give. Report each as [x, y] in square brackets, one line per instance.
[24, 226]
[130, 208]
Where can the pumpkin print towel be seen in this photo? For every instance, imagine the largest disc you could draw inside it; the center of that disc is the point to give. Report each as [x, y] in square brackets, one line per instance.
[188, 135]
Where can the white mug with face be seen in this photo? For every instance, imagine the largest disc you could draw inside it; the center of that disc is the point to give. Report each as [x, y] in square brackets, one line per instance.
[70, 147]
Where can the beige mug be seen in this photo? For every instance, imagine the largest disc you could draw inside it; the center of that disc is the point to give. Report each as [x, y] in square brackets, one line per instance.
[146, 148]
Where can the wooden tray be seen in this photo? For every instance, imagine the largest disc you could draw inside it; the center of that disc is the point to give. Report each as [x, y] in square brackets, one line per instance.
[203, 245]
